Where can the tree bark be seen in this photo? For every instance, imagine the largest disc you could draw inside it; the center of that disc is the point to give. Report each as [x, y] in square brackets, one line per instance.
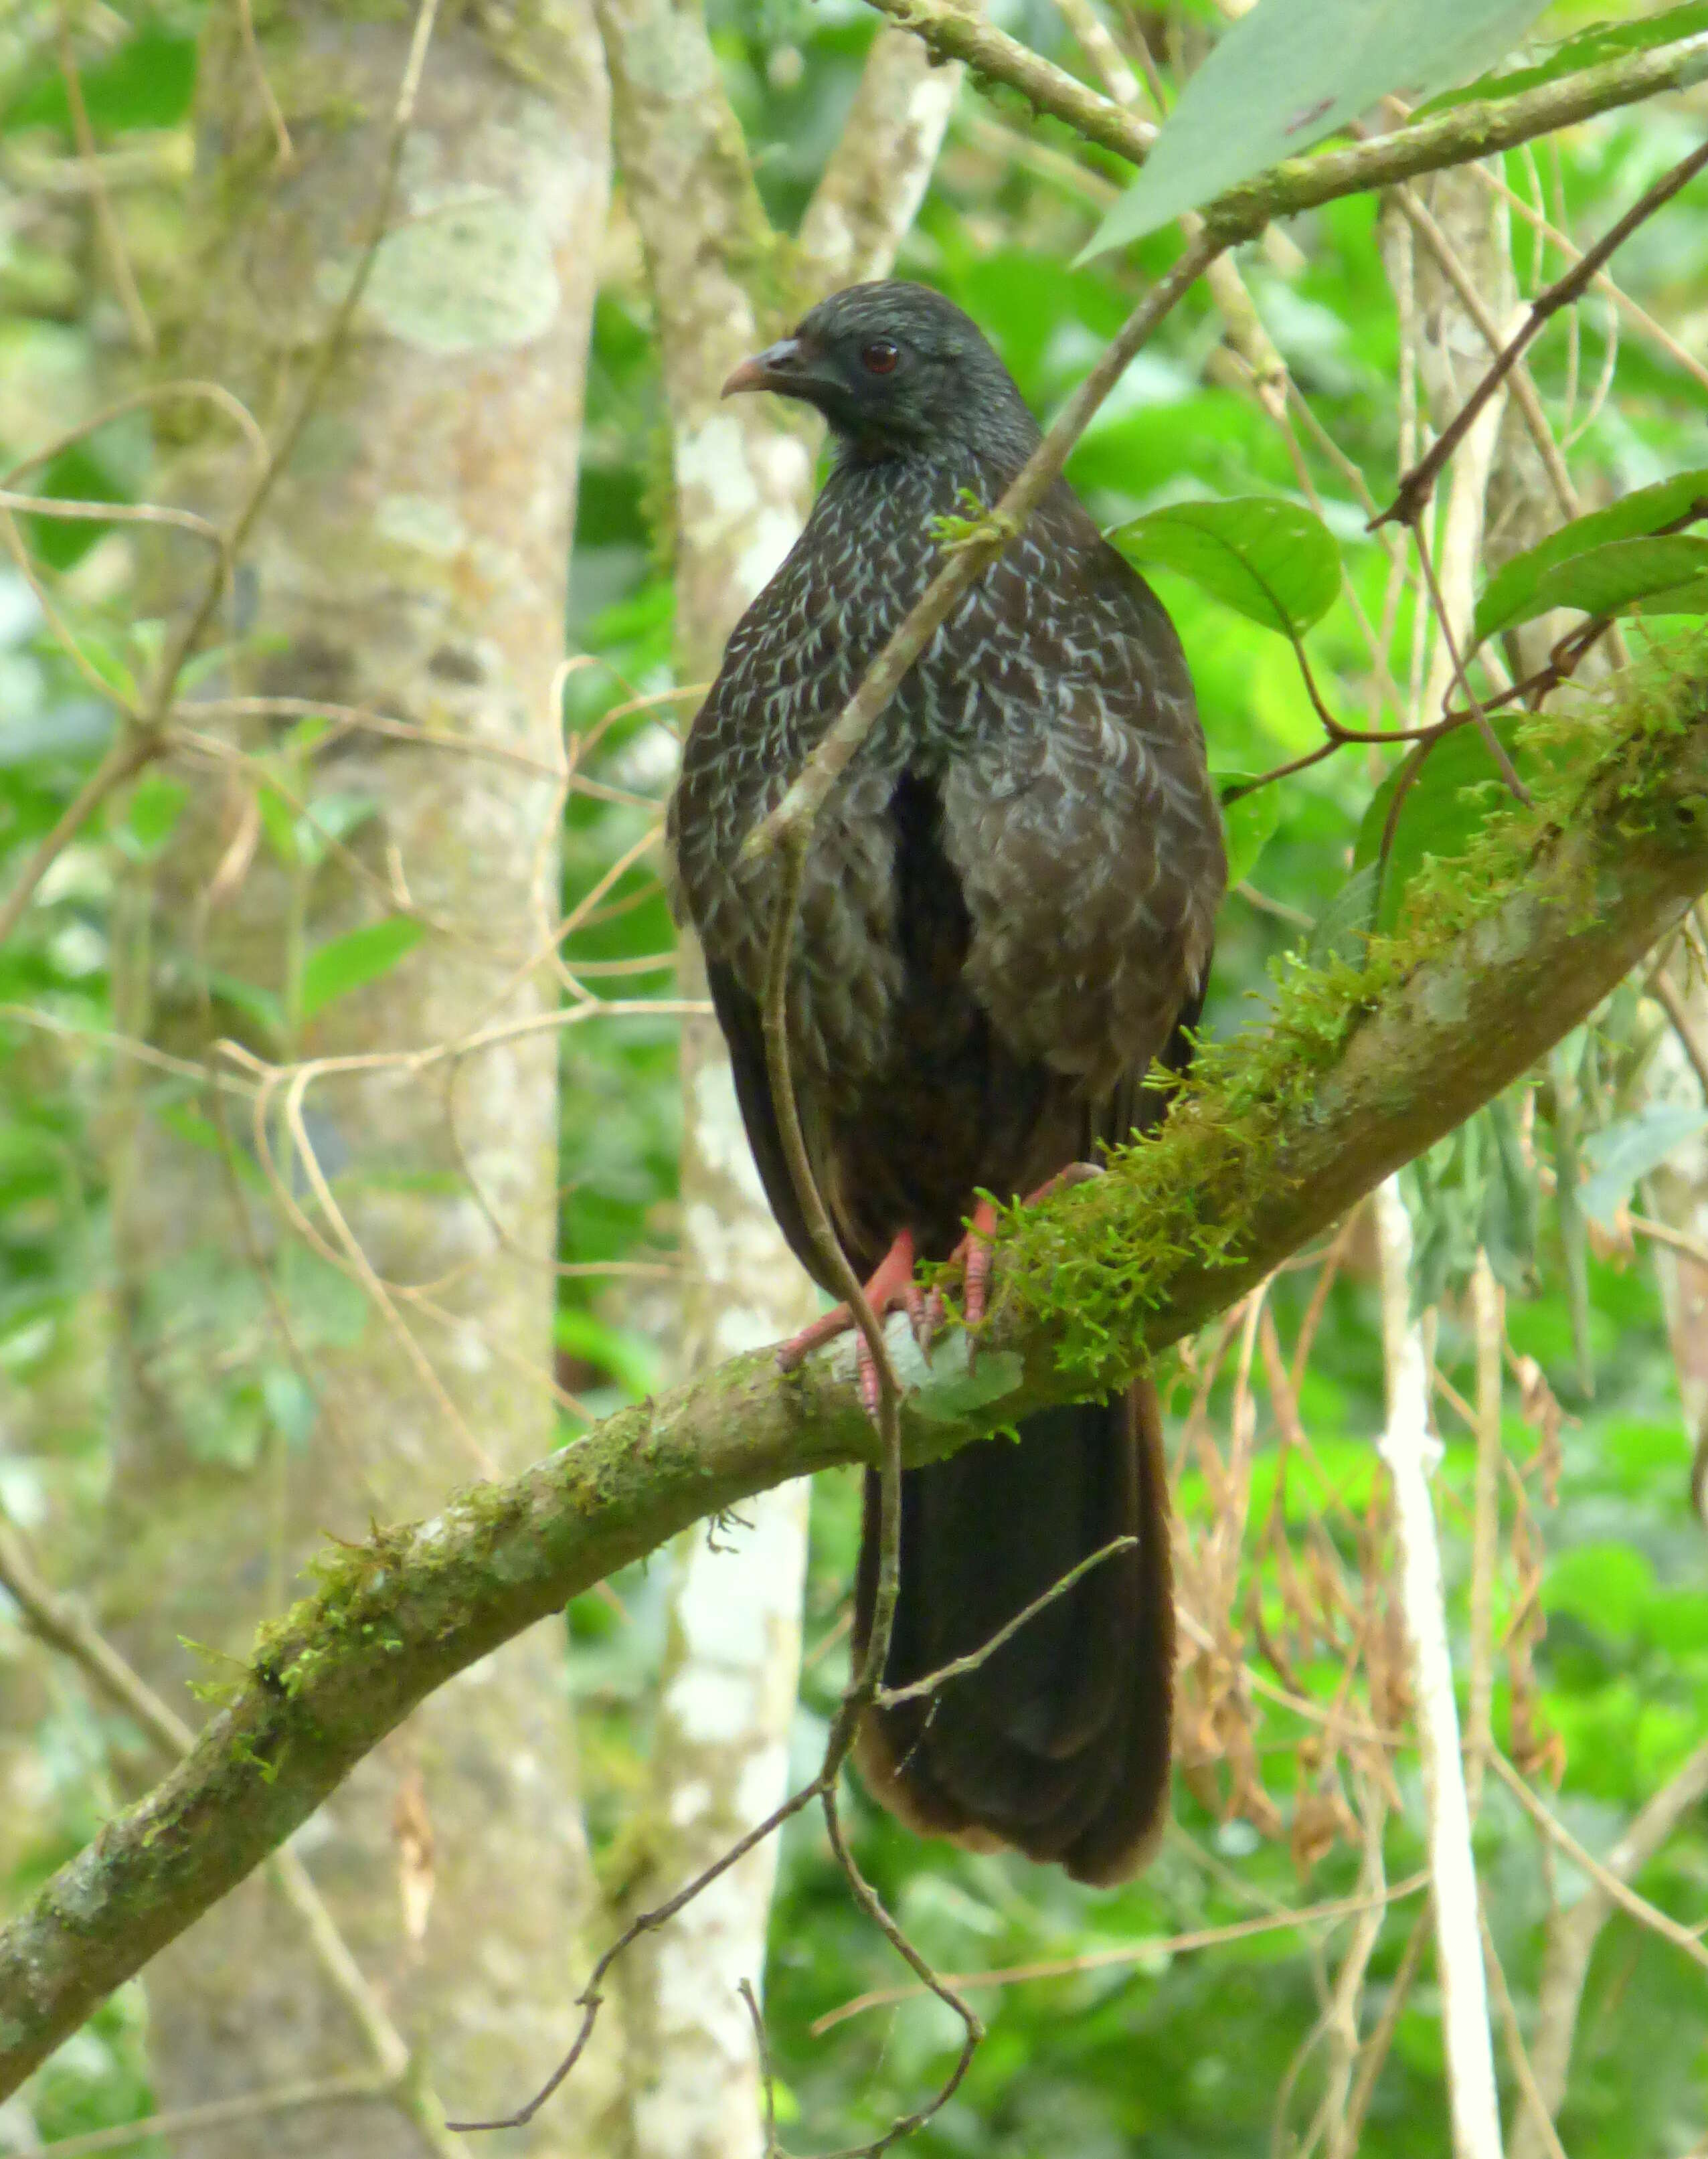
[742, 476]
[411, 559]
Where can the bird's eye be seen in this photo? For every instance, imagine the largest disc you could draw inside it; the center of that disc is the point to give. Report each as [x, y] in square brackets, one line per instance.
[880, 357]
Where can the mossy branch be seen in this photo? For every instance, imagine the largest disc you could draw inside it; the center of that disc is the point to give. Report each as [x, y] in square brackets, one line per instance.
[1279, 1132]
[952, 29]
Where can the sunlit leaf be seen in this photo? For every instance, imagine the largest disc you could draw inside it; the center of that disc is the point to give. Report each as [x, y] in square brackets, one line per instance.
[1510, 595]
[1669, 575]
[1275, 562]
[1290, 72]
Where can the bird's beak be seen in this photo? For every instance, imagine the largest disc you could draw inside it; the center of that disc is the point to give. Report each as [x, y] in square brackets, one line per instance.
[778, 367]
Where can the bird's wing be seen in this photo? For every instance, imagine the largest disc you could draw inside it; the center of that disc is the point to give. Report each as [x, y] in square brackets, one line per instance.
[1085, 827]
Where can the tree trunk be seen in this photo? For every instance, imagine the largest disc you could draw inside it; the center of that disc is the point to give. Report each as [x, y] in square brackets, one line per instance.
[742, 478]
[410, 560]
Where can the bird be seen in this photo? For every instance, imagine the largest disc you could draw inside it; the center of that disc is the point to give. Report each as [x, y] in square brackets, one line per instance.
[1004, 920]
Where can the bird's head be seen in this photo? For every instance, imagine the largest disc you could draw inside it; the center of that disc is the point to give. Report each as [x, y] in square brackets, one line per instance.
[895, 370]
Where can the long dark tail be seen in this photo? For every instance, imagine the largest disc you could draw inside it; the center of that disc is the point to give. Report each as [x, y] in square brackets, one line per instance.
[1057, 1744]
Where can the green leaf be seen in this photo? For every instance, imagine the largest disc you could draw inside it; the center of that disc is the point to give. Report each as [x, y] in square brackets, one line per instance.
[1509, 595]
[1617, 1156]
[104, 658]
[1601, 41]
[146, 82]
[1290, 72]
[1248, 822]
[359, 957]
[1668, 576]
[278, 821]
[1445, 807]
[155, 804]
[1274, 562]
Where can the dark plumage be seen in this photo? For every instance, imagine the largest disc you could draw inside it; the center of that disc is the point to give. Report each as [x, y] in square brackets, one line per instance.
[1007, 916]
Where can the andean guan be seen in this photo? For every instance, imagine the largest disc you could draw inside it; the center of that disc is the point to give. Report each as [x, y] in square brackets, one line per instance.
[1006, 918]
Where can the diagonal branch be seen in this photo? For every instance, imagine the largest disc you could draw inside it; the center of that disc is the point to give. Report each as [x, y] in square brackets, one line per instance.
[1357, 1071]
[1480, 129]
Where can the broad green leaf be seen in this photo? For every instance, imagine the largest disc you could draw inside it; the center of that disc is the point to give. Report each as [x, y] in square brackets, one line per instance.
[1666, 574]
[1617, 1157]
[1273, 561]
[1290, 72]
[359, 957]
[1248, 822]
[1601, 41]
[1509, 595]
[1444, 808]
[155, 804]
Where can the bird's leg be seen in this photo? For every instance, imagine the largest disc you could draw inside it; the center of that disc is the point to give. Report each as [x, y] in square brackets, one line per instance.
[976, 1250]
[892, 1288]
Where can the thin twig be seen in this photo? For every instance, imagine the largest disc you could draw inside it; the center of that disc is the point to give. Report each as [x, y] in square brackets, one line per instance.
[891, 1697]
[1612, 1884]
[1406, 1448]
[113, 241]
[283, 148]
[1152, 1948]
[218, 2113]
[1516, 2052]
[1665, 992]
[1415, 489]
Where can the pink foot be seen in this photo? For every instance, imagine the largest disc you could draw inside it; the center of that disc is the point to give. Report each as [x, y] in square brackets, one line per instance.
[974, 1253]
[892, 1288]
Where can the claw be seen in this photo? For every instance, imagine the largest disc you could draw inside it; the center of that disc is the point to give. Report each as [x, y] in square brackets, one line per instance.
[892, 1288]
